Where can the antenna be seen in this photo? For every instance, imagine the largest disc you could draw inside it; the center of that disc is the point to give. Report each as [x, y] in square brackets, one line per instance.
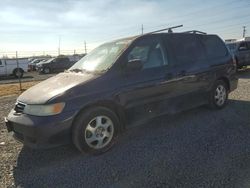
[170, 29]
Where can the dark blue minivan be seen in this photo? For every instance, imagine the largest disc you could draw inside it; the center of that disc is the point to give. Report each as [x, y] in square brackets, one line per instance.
[121, 82]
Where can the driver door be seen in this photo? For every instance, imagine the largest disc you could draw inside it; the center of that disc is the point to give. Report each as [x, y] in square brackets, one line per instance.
[145, 90]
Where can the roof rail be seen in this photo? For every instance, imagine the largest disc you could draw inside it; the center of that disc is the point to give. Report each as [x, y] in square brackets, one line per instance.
[195, 32]
[169, 30]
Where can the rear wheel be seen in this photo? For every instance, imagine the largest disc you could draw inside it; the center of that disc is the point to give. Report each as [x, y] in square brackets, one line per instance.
[95, 130]
[219, 95]
[18, 73]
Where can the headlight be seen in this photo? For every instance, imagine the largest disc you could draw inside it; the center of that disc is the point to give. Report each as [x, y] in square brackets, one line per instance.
[44, 110]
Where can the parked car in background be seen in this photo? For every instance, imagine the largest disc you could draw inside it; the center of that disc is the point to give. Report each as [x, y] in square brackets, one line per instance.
[10, 67]
[32, 64]
[241, 52]
[123, 82]
[57, 64]
[75, 57]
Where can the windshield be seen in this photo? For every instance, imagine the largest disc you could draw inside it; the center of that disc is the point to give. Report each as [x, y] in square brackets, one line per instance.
[49, 60]
[101, 58]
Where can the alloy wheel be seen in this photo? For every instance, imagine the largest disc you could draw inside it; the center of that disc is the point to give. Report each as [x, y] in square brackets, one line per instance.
[99, 132]
[220, 95]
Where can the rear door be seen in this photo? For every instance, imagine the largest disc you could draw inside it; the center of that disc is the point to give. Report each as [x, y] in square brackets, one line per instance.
[190, 69]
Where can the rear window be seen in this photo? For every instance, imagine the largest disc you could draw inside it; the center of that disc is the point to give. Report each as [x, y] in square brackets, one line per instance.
[214, 46]
[187, 48]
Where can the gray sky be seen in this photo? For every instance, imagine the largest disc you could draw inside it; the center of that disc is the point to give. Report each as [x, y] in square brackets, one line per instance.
[32, 25]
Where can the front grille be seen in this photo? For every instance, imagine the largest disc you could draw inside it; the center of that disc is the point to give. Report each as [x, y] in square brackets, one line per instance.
[19, 107]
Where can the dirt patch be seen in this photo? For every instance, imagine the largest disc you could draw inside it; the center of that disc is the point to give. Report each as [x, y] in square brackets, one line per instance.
[14, 89]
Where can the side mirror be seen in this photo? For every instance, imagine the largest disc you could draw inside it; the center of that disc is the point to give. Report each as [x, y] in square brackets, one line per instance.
[242, 48]
[134, 65]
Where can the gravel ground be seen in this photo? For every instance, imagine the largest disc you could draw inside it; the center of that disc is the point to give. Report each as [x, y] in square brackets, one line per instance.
[196, 148]
[27, 77]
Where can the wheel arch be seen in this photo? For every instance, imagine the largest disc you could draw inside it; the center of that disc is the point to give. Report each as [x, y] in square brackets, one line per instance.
[226, 80]
[13, 72]
[111, 105]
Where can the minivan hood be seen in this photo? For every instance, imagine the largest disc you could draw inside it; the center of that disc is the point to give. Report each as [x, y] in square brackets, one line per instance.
[54, 86]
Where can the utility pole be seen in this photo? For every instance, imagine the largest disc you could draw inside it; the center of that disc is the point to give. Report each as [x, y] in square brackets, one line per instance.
[85, 47]
[142, 29]
[244, 31]
[18, 72]
[59, 46]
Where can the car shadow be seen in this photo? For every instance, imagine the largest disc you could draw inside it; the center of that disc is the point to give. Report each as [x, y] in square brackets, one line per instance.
[195, 148]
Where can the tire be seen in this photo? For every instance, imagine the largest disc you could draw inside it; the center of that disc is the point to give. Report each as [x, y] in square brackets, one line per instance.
[219, 95]
[46, 70]
[18, 73]
[95, 130]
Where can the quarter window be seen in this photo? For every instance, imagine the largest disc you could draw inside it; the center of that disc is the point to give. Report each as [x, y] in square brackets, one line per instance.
[214, 47]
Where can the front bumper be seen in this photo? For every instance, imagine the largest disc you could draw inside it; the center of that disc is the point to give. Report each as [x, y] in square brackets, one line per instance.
[40, 132]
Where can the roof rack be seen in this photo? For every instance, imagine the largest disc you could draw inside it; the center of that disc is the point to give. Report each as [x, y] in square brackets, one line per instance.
[195, 32]
[170, 29]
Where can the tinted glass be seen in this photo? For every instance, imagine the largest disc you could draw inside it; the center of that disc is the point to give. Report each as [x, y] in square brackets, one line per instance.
[150, 52]
[0, 62]
[214, 47]
[187, 48]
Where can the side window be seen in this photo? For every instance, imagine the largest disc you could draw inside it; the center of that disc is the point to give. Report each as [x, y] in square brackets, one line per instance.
[214, 46]
[187, 48]
[150, 52]
[1, 62]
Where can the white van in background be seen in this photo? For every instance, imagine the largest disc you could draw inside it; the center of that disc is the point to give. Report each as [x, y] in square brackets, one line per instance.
[10, 67]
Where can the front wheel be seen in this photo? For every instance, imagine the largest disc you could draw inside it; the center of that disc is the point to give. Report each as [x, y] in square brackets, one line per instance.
[219, 95]
[95, 130]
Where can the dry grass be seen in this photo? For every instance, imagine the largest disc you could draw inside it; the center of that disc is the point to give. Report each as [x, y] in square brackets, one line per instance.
[13, 89]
